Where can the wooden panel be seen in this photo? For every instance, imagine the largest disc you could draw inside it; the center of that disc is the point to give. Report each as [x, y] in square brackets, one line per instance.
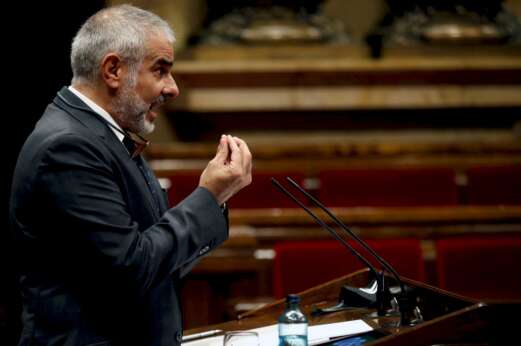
[342, 77]
[382, 216]
[368, 145]
[339, 98]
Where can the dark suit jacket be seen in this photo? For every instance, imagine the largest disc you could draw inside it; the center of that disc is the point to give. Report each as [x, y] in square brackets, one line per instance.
[99, 263]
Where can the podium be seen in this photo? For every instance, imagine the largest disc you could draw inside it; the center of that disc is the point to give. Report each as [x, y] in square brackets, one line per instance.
[449, 319]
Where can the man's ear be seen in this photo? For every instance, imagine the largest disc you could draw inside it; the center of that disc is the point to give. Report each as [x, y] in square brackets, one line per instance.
[112, 70]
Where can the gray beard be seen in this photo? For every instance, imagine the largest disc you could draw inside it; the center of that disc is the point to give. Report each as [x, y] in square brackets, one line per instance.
[131, 110]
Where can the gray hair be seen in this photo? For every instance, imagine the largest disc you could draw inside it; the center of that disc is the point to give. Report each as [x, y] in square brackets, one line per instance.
[120, 29]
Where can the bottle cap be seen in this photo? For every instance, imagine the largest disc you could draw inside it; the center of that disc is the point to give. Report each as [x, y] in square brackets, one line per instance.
[292, 298]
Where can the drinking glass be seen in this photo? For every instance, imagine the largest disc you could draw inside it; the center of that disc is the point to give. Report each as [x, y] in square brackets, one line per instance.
[241, 338]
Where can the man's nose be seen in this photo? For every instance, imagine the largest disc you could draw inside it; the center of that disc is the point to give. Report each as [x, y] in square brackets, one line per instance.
[171, 89]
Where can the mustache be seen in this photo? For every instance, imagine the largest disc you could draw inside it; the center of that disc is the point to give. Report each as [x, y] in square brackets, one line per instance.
[158, 101]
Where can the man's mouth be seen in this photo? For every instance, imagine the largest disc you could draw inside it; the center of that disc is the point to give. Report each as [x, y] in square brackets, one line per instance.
[155, 106]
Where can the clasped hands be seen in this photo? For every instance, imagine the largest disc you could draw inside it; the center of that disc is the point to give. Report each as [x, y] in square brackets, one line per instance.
[229, 171]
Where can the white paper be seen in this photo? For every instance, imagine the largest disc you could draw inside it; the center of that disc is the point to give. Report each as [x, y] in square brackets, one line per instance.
[269, 335]
[212, 341]
[324, 332]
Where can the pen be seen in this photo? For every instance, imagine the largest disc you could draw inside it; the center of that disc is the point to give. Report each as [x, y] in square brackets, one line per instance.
[201, 335]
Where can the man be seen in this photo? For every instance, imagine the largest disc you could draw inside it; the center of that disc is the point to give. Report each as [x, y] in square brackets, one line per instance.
[101, 255]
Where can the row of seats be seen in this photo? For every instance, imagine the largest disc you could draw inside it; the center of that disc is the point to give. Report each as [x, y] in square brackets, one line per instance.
[381, 187]
[483, 267]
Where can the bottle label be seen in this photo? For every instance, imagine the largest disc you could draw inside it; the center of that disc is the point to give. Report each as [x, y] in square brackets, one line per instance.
[293, 329]
[293, 340]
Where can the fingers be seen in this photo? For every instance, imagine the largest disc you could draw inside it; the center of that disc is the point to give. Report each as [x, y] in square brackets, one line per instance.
[223, 150]
[245, 153]
[230, 170]
[235, 155]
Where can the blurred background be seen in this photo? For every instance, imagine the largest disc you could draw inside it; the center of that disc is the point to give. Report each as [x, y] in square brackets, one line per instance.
[403, 116]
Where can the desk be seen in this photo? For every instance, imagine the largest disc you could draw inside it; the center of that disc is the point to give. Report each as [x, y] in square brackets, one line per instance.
[449, 318]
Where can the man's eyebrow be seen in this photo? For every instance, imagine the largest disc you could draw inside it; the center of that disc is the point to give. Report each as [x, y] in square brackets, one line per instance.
[163, 62]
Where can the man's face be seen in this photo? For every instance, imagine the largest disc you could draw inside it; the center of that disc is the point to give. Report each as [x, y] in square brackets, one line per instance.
[141, 95]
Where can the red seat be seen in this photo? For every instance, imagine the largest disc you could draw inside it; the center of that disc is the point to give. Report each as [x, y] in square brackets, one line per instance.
[182, 184]
[480, 267]
[261, 193]
[387, 187]
[494, 185]
[300, 265]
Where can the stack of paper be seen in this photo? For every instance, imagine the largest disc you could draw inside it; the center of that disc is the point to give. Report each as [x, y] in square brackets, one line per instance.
[269, 335]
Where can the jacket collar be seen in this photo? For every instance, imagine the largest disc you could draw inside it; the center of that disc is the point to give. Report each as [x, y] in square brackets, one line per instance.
[74, 106]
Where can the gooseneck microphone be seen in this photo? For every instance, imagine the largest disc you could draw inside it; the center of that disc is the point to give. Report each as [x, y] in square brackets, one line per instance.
[379, 258]
[377, 292]
[350, 297]
[325, 226]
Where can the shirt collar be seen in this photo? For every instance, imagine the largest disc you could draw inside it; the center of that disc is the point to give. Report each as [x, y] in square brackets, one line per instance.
[103, 113]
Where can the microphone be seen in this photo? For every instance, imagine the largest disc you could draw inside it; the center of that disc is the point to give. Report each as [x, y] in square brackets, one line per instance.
[376, 293]
[355, 296]
[324, 225]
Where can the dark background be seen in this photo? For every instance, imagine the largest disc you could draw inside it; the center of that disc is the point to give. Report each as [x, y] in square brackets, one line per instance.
[37, 41]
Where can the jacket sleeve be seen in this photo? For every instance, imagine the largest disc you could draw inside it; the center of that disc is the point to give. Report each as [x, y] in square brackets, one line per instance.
[82, 192]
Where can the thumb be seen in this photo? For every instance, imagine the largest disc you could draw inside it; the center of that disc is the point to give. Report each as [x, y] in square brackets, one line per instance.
[222, 150]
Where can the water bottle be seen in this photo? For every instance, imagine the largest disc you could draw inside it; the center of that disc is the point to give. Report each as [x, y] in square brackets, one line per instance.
[293, 324]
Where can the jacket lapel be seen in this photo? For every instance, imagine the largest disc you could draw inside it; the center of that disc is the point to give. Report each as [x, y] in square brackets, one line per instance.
[76, 108]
